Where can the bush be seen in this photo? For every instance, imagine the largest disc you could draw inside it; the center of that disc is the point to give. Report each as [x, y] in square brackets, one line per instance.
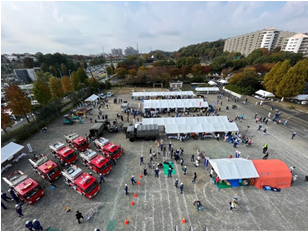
[241, 90]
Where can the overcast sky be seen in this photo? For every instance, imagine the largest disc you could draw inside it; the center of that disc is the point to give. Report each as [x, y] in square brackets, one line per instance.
[86, 27]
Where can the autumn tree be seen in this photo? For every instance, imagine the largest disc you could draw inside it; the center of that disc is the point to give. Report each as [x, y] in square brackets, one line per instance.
[93, 83]
[196, 69]
[268, 81]
[283, 69]
[6, 120]
[132, 72]
[55, 88]
[28, 62]
[41, 91]
[18, 102]
[185, 69]
[121, 72]
[174, 72]
[64, 70]
[66, 85]
[112, 68]
[53, 70]
[75, 80]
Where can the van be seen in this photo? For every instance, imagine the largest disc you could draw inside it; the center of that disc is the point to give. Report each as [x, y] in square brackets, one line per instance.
[96, 130]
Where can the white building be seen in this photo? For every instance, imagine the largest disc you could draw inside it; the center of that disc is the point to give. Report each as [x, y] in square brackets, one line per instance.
[130, 51]
[117, 52]
[297, 43]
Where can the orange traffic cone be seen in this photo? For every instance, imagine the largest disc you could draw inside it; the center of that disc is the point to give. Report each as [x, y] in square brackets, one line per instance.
[140, 176]
[67, 209]
[183, 220]
[132, 203]
[126, 221]
[135, 195]
[138, 183]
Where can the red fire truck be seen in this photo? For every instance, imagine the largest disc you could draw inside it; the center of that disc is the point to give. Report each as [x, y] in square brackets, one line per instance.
[24, 187]
[110, 150]
[45, 167]
[82, 182]
[97, 163]
[74, 140]
[63, 153]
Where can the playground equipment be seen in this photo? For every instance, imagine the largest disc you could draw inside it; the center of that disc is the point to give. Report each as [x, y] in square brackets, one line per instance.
[71, 120]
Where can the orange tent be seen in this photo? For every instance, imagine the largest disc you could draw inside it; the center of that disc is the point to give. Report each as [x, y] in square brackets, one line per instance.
[273, 173]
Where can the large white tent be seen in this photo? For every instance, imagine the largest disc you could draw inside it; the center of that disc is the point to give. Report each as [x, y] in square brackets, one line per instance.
[174, 104]
[212, 83]
[207, 89]
[92, 98]
[208, 124]
[8, 151]
[223, 81]
[263, 93]
[234, 168]
[164, 94]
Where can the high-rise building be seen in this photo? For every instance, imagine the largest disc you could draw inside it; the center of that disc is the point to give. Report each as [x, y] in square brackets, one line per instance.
[268, 38]
[297, 43]
[116, 52]
[130, 51]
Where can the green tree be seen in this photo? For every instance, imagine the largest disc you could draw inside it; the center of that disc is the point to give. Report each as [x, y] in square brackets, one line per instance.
[254, 55]
[39, 56]
[66, 85]
[121, 72]
[6, 120]
[218, 63]
[28, 62]
[75, 80]
[85, 65]
[132, 72]
[112, 68]
[44, 76]
[268, 81]
[82, 75]
[93, 83]
[44, 67]
[55, 88]
[18, 102]
[53, 70]
[64, 70]
[283, 69]
[41, 91]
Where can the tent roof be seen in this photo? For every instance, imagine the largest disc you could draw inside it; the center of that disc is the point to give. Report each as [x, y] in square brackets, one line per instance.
[264, 93]
[223, 81]
[205, 89]
[234, 168]
[92, 98]
[155, 94]
[175, 103]
[208, 124]
[212, 83]
[301, 97]
[8, 151]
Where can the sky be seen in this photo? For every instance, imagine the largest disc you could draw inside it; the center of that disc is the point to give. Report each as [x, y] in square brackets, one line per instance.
[84, 27]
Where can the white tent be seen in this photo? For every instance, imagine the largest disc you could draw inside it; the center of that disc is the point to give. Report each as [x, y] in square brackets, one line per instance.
[207, 89]
[234, 168]
[163, 94]
[8, 151]
[212, 83]
[223, 81]
[92, 98]
[263, 93]
[174, 103]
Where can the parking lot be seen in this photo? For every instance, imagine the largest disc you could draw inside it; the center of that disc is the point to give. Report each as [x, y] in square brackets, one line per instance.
[159, 205]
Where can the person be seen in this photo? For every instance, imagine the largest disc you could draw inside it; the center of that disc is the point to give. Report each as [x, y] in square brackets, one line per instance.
[169, 172]
[141, 159]
[157, 172]
[292, 169]
[256, 115]
[133, 180]
[176, 183]
[236, 197]
[18, 209]
[101, 178]
[217, 180]
[260, 126]
[286, 122]
[184, 170]
[126, 189]
[230, 156]
[194, 178]
[294, 178]
[182, 161]
[293, 135]
[192, 158]
[266, 156]
[264, 131]
[170, 144]
[211, 172]
[37, 225]
[90, 174]
[5, 197]
[181, 188]
[3, 206]
[265, 148]
[145, 172]
[198, 204]
[232, 205]
[79, 216]
[196, 163]
[29, 225]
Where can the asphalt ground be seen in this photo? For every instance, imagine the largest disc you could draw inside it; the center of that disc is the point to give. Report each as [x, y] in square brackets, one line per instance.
[159, 205]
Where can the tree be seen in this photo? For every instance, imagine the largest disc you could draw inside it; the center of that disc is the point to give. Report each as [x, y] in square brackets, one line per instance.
[109, 71]
[55, 88]
[75, 80]
[44, 76]
[6, 120]
[18, 102]
[93, 83]
[66, 85]
[293, 82]
[196, 69]
[185, 69]
[64, 70]
[44, 68]
[112, 67]
[41, 91]
[28, 62]
[278, 75]
[255, 55]
[132, 72]
[85, 65]
[174, 72]
[268, 81]
[121, 72]
[39, 56]
[82, 75]
[53, 70]
[218, 63]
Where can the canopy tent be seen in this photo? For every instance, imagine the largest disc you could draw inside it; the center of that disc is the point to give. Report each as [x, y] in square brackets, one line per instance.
[234, 168]
[212, 83]
[8, 151]
[163, 94]
[92, 98]
[274, 173]
[186, 125]
[223, 81]
[207, 89]
[301, 97]
[263, 93]
[174, 103]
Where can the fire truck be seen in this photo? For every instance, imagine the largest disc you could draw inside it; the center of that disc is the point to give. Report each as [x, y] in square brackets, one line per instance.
[97, 163]
[82, 182]
[63, 153]
[74, 140]
[24, 187]
[46, 168]
[110, 150]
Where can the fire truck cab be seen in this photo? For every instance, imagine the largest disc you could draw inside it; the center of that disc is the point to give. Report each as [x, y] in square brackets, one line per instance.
[74, 140]
[82, 182]
[25, 188]
[46, 168]
[110, 150]
[97, 163]
[63, 153]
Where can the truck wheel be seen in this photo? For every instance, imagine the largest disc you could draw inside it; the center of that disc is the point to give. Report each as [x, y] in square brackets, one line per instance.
[147, 138]
[131, 139]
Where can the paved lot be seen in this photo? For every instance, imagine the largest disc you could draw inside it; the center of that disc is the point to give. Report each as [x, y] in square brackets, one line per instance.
[159, 205]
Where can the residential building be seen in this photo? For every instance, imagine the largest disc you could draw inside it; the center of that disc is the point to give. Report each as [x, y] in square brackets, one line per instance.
[116, 52]
[297, 43]
[26, 75]
[176, 84]
[130, 51]
[268, 38]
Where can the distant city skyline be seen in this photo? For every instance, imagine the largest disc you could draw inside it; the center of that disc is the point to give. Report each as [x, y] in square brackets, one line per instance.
[86, 27]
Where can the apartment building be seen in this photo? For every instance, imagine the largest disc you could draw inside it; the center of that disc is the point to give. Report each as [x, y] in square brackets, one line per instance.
[130, 51]
[268, 38]
[116, 52]
[297, 43]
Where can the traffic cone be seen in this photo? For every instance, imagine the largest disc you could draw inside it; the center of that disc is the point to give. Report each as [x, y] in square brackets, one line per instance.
[67, 209]
[135, 195]
[140, 176]
[132, 203]
[183, 220]
[138, 183]
[126, 221]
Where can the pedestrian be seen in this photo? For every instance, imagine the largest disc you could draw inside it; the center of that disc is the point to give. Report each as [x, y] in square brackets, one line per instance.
[157, 172]
[294, 178]
[192, 158]
[182, 161]
[293, 135]
[29, 225]
[18, 209]
[260, 126]
[286, 122]
[150, 149]
[256, 115]
[235, 143]
[161, 147]
[269, 115]
[126, 189]
[176, 183]
[265, 148]
[90, 174]
[79, 216]
[292, 169]
[169, 172]
[266, 156]
[181, 188]
[182, 151]
[232, 205]
[266, 121]
[145, 171]
[101, 178]
[217, 180]
[236, 197]
[198, 204]
[141, 160]
[5, 197]
[221, 103]
[237, 154]
[257, 119]
[184, 170]
[194, 178]
[133, 180]
[170, 144]
[211, 172]
[260, 120]
[37, 225]
[3, 205]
